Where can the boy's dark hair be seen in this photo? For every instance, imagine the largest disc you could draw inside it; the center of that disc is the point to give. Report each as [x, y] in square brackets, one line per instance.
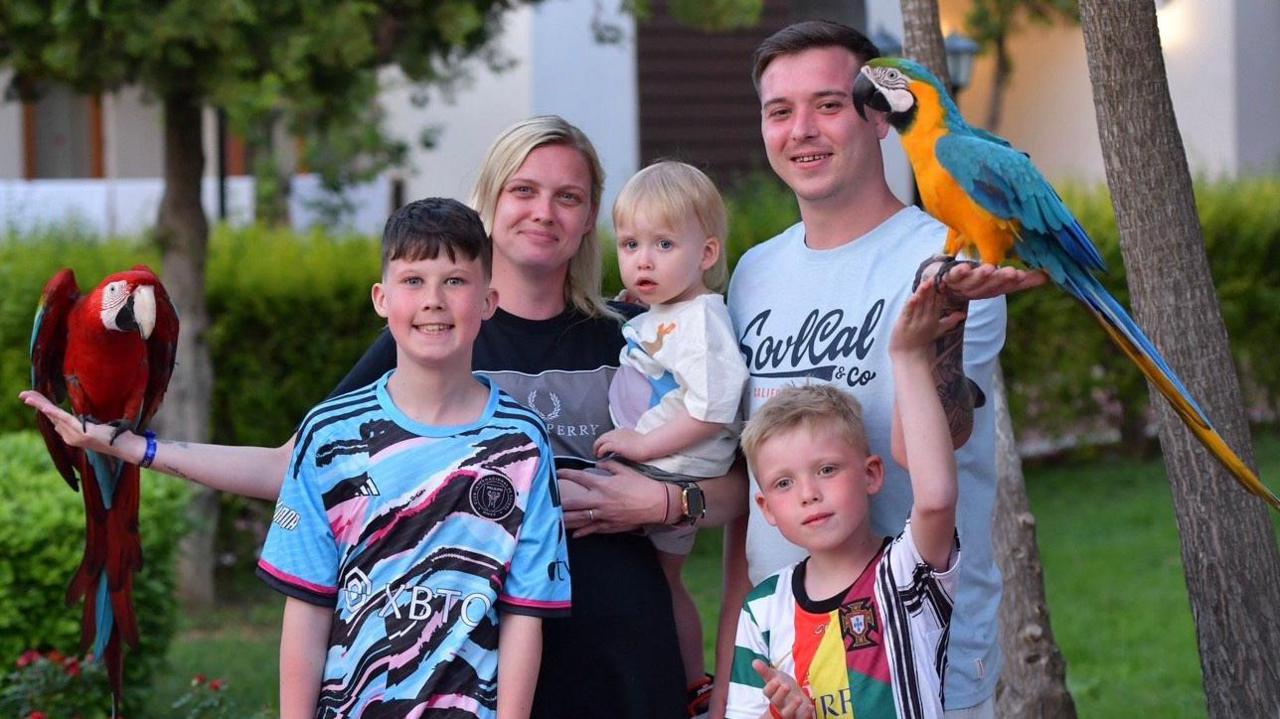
[422, 228]
[807, 35]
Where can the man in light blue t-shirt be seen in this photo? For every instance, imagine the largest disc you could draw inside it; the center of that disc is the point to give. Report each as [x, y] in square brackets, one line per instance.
[816, 303]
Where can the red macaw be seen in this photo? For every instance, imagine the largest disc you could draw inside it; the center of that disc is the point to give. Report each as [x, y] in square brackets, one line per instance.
[994, 200]
[111, 353]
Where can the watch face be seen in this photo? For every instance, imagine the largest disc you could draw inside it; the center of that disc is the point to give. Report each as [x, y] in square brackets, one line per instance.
[695, 506]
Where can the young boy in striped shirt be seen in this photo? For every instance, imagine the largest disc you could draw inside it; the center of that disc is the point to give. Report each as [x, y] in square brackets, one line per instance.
[859, 627]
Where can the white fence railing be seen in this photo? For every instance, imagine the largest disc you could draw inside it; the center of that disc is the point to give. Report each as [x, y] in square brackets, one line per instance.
[128, 206]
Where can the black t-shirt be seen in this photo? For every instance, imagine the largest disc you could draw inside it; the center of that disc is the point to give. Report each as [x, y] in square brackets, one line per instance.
[617, 656]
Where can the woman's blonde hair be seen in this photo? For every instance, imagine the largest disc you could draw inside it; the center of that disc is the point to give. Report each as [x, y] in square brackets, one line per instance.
[670, 191]
[506, 154]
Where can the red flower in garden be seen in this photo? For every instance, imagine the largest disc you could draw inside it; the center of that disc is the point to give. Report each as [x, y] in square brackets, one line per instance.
[27, 658]
[36, 715]
[71, 667]
[197, 680]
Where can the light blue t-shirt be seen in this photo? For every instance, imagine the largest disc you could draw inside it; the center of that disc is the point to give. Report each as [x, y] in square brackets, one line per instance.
[417, 536]
[804, 315]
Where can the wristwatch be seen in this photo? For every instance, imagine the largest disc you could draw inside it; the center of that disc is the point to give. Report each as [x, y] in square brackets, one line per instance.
[693, 506]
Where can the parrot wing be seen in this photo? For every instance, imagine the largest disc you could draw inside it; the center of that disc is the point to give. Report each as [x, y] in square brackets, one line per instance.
[1004, 182]
[48, 348]
[162, 348]
[990, 137]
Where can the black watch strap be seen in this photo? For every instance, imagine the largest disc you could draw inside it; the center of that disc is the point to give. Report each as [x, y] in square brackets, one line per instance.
[693, 505]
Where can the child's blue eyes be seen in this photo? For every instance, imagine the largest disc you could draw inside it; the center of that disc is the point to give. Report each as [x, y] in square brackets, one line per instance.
[634, 245]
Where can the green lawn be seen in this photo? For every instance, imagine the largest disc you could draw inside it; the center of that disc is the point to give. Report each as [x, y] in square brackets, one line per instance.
[1112, 570]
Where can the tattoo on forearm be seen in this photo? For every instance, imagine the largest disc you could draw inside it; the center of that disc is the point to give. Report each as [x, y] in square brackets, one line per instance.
[953, 386]
[167, 467]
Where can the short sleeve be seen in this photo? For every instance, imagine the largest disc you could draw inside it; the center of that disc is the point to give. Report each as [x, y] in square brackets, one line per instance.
[300, 558]
[911, 570]
[746, 689]
[707, 363]
[537, 582]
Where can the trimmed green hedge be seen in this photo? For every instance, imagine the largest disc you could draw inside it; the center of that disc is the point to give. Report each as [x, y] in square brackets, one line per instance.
[290, 314]
[42, 542]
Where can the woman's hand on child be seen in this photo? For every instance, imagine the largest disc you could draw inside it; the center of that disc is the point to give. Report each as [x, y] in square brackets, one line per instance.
[616, 499]
[624, 443]
[925, 317]
[786, 699]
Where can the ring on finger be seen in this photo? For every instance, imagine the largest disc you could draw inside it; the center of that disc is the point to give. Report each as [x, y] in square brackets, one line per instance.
[591, 515]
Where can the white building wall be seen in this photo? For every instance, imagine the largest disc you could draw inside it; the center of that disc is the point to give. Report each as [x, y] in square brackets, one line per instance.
[589, 84]
[11, 143]
[133, 134]
[469, 122]
[1258, 85]
[1197, 37]
[1049, 109]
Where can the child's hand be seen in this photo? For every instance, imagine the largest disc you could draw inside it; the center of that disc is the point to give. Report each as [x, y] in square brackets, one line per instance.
[623, 442]
[86, 435]
[786, 699]
[922, 321]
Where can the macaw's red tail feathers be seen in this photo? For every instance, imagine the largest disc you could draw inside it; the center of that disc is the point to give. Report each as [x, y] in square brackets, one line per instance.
[1129, 337]
[124, 552]
[113, 657]
[84, 583]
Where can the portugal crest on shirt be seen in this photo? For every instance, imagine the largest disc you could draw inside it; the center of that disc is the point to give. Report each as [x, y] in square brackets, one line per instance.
[857, 621]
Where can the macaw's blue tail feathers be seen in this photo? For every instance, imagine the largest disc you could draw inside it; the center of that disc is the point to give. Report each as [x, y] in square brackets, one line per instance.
[1124, 331]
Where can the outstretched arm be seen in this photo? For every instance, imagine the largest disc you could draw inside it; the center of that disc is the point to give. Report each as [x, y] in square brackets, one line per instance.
[927, 445]
[249, 471]
[963, 283]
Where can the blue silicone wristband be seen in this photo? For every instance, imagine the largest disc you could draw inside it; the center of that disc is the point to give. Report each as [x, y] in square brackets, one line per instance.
[150, 454]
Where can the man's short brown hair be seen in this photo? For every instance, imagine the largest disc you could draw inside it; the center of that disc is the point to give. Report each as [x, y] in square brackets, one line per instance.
[807, 35]
[811, 406]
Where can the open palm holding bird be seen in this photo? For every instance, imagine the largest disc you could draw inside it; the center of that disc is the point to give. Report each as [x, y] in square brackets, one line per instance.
[993, 200]
[110, 353]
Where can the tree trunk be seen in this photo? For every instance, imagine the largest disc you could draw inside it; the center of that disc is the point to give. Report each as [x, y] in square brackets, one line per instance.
[922, 37]
[1228, 547]
[1024, 615]
[999, 84]
[1034, 682]
[183, 234]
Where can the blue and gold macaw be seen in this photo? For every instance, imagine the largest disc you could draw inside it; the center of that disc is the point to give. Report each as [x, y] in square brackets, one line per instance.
[993, 200]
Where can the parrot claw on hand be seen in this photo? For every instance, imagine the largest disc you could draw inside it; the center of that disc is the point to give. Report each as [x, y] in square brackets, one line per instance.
[993, 200]
[110, 353]
[121, 426]
[940, 279]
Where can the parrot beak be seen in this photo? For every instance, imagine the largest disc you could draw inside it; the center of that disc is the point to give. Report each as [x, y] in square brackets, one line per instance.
[139, 312]
[866, 94]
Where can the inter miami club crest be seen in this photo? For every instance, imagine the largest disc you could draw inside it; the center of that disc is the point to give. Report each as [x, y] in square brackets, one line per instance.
[858, 620]
[493, 496]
